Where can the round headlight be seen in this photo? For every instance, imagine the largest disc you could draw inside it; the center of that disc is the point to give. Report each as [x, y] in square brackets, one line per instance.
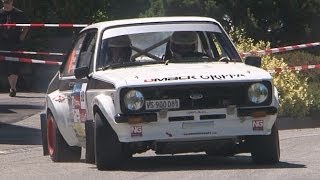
[258, 93]
[134, 100]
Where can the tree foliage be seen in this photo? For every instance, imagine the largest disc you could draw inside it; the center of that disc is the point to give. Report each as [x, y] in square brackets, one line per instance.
[278, 21]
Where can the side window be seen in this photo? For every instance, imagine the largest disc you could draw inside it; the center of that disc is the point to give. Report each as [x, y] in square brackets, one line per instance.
[73, 57]
[87, 50]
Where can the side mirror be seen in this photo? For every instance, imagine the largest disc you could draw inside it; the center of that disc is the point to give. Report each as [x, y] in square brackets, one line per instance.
[253, 61]
[81, 72]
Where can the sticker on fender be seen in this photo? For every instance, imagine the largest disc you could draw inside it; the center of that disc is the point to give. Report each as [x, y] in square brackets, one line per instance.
[257, 125]
[136, 131]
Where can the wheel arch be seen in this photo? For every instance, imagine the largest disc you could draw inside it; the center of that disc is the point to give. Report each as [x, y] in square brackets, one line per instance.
[104, 105]
[69, 137]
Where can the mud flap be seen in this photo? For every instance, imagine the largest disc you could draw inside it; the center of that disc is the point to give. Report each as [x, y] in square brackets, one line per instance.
[90, 152]
[43, 121]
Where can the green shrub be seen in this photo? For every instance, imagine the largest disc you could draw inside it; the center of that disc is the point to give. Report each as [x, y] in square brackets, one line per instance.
[294, 93]
[298, 58]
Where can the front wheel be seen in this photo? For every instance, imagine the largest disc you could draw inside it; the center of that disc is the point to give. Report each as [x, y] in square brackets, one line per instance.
[109, 152]
[265, 149]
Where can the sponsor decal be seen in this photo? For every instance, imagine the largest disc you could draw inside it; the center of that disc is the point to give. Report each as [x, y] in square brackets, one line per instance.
[79, 129]
[257, 125]
[201, 77]
[60, 98]
[136, 131]
[78, 102]
[79, 115]
[75, 100]
[82, 96]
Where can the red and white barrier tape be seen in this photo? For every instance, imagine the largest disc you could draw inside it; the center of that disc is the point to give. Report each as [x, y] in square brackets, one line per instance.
[28, 60]
[52, 62]
[261, 52]
[294, 68]
[280, 49]
[33, 53]
[45, 25]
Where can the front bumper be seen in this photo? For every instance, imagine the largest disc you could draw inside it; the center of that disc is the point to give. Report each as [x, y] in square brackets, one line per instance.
[197, 125]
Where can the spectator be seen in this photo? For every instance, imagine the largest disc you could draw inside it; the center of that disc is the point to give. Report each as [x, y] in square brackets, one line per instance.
[11, 39]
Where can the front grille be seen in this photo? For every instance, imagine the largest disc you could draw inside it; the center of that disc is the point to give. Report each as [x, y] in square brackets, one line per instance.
[214, 116]
[202, 96]
[181, 118]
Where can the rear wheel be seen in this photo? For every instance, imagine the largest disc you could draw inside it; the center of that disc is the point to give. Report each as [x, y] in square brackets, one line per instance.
[59, 150]
[265, 149]
[109, 152]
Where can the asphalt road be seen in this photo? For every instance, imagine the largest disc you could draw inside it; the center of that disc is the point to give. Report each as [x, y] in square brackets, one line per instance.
[21, 158]
[20, 107]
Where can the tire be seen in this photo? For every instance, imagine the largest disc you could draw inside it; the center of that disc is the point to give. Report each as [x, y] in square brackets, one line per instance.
[90, 153]
[59, 150]
[265, 149]
[109, 151]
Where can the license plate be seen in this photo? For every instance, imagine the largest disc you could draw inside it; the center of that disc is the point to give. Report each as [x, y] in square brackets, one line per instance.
[163, 104]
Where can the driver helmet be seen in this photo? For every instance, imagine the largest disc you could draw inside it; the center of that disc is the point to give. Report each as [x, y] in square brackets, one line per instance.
[119, 49]
[183, 43]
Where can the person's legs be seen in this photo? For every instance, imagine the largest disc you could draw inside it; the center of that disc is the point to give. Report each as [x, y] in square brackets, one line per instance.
[12, 69]
[13, 77]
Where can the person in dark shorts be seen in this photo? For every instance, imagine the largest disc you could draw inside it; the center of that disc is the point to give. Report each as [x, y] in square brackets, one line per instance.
[11, 38]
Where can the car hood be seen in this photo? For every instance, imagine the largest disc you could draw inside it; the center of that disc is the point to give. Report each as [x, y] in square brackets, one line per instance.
[182, 73]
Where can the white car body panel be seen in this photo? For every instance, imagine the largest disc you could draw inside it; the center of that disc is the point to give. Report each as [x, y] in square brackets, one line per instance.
[58, 105]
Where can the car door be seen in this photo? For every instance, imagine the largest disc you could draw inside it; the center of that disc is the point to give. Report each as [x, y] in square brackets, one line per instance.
[81, 55]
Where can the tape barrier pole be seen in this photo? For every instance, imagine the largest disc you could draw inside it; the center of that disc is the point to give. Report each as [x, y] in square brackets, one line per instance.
[280, 49]
[29, 61]
[39, 25]
[33, 53]
[294, 68]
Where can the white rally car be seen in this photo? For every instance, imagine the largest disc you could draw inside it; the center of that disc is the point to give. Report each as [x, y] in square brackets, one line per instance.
[172, 85]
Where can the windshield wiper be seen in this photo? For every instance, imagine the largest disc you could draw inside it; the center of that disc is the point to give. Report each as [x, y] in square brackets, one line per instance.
[188, 59]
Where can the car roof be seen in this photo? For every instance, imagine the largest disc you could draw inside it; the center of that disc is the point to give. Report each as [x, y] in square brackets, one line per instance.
[106, 24]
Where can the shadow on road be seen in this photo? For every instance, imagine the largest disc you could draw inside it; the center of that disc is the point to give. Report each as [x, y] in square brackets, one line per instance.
[19, 135]
[289, 123]
[198, 162]
[27, 97]
[8, 108]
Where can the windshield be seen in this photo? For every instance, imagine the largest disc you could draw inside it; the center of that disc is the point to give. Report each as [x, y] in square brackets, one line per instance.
[167, 43]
